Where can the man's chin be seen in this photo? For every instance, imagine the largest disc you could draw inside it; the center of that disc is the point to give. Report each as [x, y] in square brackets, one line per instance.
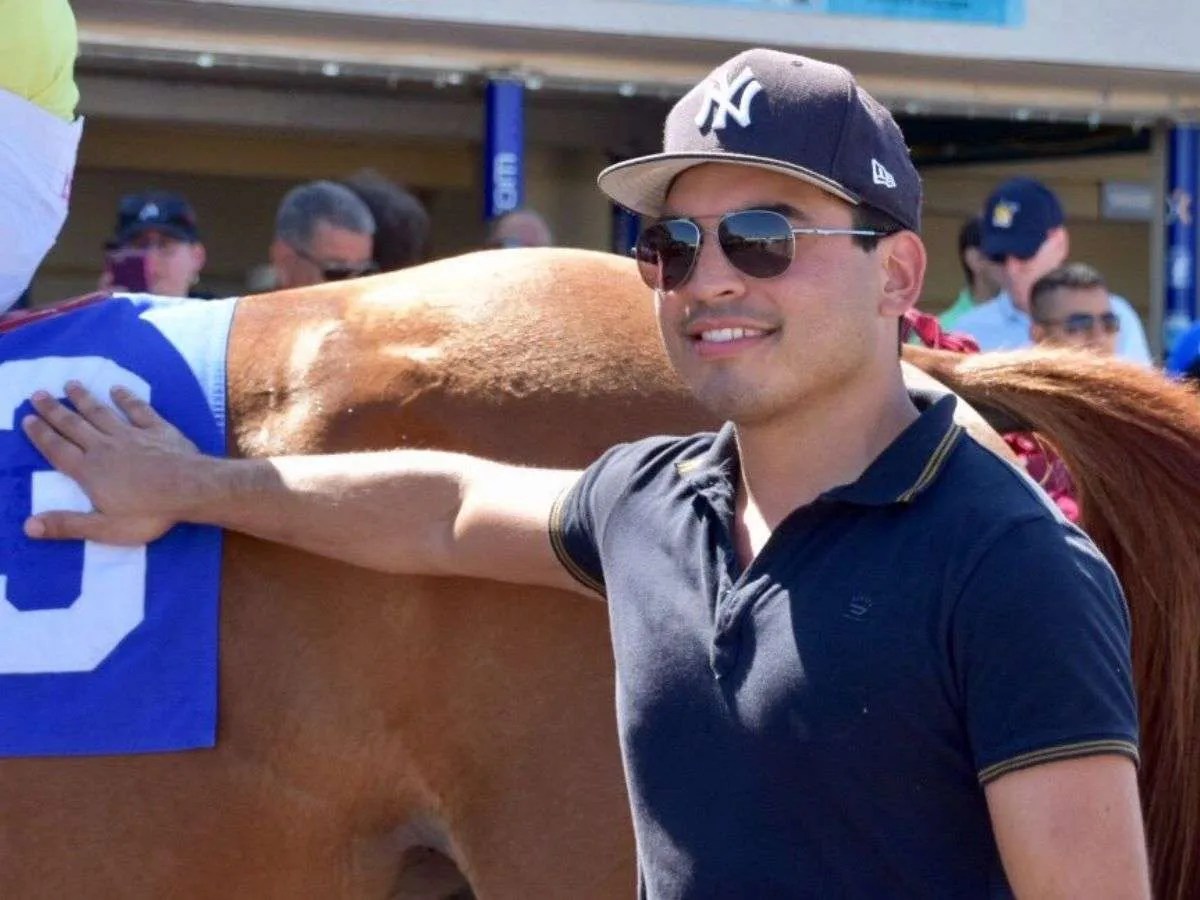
[743, 409]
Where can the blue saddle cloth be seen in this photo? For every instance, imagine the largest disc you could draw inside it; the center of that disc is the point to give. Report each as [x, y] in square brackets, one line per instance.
[109, 649]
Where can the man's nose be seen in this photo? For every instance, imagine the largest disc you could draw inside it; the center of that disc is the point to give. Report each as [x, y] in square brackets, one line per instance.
[713, 275]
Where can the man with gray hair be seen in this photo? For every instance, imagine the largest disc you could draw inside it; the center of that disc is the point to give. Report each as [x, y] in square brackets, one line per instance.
[323, 232]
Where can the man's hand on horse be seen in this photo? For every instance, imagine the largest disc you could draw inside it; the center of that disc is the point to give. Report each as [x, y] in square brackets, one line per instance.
[128, 467]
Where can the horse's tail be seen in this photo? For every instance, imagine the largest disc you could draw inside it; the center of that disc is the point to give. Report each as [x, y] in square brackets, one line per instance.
[1131, 439]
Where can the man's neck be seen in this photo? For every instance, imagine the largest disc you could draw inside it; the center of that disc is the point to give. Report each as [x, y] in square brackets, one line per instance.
[788, 462]
[982, 294]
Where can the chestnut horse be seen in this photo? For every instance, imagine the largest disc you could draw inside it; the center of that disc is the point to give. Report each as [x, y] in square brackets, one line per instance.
[386, 736]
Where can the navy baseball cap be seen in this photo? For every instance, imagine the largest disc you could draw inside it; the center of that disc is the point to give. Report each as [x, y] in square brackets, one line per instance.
[1017, 217]
[785, 113]
[155, 211]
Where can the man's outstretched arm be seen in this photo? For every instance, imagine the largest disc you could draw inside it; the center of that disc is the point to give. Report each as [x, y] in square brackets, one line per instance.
[402, 511]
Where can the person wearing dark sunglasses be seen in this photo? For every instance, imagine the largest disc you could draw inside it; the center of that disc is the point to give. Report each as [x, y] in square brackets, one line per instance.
[1024, 233]
[857, 654]
[323, 232]
[1071, 307]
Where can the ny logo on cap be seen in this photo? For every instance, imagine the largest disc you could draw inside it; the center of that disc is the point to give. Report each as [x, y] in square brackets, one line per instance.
[149, 211]
[718, 100]
[880, 175]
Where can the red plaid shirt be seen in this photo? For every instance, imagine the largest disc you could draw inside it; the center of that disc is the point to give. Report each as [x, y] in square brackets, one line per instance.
[1040, 461]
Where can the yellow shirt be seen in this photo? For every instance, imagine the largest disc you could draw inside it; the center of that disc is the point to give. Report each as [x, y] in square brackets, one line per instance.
[38, 45]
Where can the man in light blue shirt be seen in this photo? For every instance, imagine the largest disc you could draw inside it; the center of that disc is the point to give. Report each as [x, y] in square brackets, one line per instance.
[1023, 232]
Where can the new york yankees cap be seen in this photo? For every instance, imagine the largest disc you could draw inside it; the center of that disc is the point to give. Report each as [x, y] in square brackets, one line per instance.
[785, 113]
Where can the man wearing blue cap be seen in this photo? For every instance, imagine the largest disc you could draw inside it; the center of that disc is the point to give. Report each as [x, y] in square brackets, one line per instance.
[857, 654]
[156, 231]
[1023, 231]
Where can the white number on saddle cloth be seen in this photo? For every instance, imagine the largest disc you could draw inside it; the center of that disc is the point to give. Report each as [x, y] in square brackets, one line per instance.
[112, 598]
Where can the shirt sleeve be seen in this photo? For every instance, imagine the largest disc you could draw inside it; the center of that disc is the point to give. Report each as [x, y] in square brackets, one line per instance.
[1131, 340]
[579, 516]
[1041, 652]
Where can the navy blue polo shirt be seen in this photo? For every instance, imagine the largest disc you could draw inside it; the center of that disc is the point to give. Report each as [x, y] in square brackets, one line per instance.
[822, 723]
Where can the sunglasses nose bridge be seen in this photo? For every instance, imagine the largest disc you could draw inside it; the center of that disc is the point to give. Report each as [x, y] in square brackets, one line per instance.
[713, 272]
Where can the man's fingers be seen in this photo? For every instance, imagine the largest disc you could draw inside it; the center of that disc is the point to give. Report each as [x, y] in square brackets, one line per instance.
[138, 411]
[98, 527]
[69, 526]
[66, 422]
[62, 453]
[97, 413]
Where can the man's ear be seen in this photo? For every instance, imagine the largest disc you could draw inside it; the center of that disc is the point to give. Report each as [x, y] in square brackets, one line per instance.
[1062, 241]
[904, 260]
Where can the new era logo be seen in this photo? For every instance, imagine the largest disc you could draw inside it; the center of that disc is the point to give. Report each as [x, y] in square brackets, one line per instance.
[881, 176]
[719, 100]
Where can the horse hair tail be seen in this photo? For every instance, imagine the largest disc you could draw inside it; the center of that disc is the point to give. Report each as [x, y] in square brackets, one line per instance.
[1131, 440]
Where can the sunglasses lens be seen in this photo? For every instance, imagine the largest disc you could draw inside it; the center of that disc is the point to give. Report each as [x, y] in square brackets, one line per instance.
[1082, 323]
[342, 273]
[757, 242]
[665, 253]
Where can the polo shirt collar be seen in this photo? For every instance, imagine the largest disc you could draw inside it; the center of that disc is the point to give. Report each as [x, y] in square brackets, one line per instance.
[900, 474]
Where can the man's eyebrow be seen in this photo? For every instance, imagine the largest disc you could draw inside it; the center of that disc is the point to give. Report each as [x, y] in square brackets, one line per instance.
[784, 209]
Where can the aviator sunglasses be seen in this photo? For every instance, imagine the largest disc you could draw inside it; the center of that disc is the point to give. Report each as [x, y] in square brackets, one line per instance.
[760, 243]
[1084, 323]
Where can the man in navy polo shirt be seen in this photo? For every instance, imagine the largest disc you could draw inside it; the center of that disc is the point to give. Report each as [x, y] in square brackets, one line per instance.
[857, 655]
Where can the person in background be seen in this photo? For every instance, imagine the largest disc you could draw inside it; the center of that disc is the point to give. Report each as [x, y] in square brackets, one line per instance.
[1023, 231]
[519, 228]
[39, 135]
[323, 232]
[1071, 307]
[982, 276]
[401, 221]
[155, 247]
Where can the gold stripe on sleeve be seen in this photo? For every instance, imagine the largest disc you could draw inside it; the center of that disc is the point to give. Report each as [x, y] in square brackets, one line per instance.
[559, 545]
[1052, 754]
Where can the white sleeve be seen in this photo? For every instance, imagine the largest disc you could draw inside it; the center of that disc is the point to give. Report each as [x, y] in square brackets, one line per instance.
[1131, 341]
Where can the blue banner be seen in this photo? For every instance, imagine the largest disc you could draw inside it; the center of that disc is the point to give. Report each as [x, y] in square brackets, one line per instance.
[1183, 180]
[625, 228]
[972, 12]
[967, 12]
[504, 149]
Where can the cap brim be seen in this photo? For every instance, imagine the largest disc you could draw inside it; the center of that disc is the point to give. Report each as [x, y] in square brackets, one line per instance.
[174, 231]
[641, 184]
[1002, 244]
